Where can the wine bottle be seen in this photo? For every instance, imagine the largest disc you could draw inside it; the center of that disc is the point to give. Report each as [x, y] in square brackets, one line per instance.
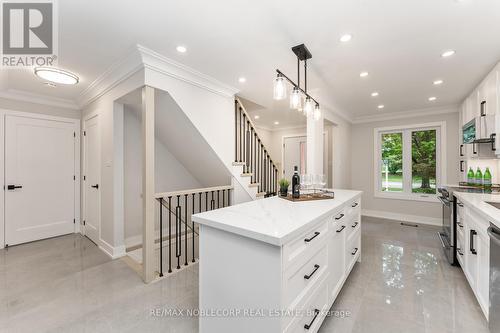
[479, 177]
[295, 183]
[470, 177]
[487, 178]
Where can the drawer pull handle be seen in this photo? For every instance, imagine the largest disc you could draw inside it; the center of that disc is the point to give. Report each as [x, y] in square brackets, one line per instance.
[340, 216]
[355, 251]
[460, 204]
[460, 225]
[355, 225]
[354, 204]
[340, 230]
[308, 326]
[316, 234]
[307, 277]
[472, 234]
[459, 250]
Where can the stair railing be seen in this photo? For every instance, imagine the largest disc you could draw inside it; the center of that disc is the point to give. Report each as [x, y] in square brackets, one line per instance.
[179, 206]
[250, 150]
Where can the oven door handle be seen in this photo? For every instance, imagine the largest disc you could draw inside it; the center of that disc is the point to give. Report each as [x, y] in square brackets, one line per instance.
[441, 239]
[445, 202]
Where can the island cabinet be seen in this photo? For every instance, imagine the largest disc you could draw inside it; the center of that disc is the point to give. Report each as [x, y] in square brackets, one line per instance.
[279, 265]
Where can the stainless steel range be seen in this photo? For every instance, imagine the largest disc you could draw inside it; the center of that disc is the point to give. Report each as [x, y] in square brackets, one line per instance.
[448, 234]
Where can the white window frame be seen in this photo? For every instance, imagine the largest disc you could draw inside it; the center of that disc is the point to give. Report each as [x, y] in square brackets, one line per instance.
[406, 130]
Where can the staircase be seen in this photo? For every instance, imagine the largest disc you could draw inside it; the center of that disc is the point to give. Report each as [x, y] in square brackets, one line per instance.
[253, 165]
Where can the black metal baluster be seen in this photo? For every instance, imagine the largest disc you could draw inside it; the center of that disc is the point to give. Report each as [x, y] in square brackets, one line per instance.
[212, 202]
[186, 230]
[229, 197]
[218, 203]
[236, 131]
[206, 201]
[241, 133]
[199, 208]
[178, 228]
[244, 141]
[192, 234]
[169, 235]
[247, 147]
[161, 237]
[223, 198]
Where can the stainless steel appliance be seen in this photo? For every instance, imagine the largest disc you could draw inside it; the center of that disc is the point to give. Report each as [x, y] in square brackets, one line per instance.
[494, 312]
[447, 235]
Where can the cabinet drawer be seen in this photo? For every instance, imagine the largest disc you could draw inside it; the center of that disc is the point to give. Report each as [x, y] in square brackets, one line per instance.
[353, 250]
[300, 280]
[302, 247]
[460, 229]
[460, 249]
[353, 208]
[312, 314]
[353, 226]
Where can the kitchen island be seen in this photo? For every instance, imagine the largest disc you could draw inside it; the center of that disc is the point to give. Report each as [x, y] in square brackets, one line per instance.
[273, 265]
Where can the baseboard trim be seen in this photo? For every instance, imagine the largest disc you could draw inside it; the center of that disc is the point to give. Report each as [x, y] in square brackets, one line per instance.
[113, 252]
[427, 220]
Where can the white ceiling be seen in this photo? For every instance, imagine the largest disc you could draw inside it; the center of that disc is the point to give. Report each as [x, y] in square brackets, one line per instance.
[398, 42]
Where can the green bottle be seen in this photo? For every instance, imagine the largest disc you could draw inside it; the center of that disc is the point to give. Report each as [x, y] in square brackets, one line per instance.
[479, 177]
[487, 178]
[470, 177]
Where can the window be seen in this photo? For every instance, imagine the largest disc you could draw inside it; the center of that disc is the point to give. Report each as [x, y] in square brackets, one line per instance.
[409, 162]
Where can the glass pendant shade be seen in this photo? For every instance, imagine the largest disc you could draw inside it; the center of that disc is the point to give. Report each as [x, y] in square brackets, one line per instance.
[308, 107]
[295, 99]
[279, 88]
[317, 112]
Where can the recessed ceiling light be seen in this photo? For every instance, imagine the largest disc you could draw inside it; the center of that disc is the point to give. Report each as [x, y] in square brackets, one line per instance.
[48, 84]
[242, 80]
[448, 53]
[437, 82]
[431, 99]
[345, 38]
[374, 94]
[181, 49]
[56, 75]
[381, 106]
[276, 123]
[363, 74]
[256, 116]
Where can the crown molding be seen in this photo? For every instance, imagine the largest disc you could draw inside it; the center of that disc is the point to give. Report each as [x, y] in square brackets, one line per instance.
[277, 129]
[115, 74]
[166, 66]
[452, 108]
[29, 97]
[140, 57]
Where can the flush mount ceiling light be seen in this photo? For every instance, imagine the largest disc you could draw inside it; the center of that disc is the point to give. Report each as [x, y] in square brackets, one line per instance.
[345, 38]
[432, 99]
[374, 94]
[381, 106]
[242, 80]
[311, 106]
[56, 75]
[437, 82]
[181, 49]
[448, 53]
[363, 74]
[256, 117]
[276, 123]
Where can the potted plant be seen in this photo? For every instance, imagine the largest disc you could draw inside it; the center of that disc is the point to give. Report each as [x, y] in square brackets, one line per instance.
[284, 183]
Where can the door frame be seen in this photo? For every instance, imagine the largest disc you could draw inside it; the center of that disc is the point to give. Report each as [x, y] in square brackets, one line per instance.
[84, 171]
[77, 183]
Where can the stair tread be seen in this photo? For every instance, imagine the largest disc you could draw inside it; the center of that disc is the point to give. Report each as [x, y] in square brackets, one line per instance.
[239, 163]
[254, 185]
[246, 174]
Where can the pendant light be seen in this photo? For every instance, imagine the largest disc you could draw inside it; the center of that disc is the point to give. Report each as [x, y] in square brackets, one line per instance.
[295, 99]
[308, 106]
[317, 112]
[279, 88]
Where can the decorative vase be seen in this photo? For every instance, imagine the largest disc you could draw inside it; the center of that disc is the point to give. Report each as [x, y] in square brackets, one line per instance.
[283, 191]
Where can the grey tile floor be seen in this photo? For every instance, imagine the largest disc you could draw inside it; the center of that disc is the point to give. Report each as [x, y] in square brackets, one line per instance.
[66, 284]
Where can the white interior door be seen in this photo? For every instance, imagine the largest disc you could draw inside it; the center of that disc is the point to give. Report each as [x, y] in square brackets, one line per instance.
[92, 179]
[294, 154]
[39, 179]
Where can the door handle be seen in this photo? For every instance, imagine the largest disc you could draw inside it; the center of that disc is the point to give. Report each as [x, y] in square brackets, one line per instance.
[471, 242]
[96, 186]
[13, 187]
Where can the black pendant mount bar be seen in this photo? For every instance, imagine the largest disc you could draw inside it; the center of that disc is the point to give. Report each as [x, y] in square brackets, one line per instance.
[296, 86]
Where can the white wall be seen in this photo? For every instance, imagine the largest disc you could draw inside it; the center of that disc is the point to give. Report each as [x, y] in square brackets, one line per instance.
[170, 174]
[363, 174]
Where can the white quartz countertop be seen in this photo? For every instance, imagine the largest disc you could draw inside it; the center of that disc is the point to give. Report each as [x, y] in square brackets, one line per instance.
[478, 202]
[273, 220]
